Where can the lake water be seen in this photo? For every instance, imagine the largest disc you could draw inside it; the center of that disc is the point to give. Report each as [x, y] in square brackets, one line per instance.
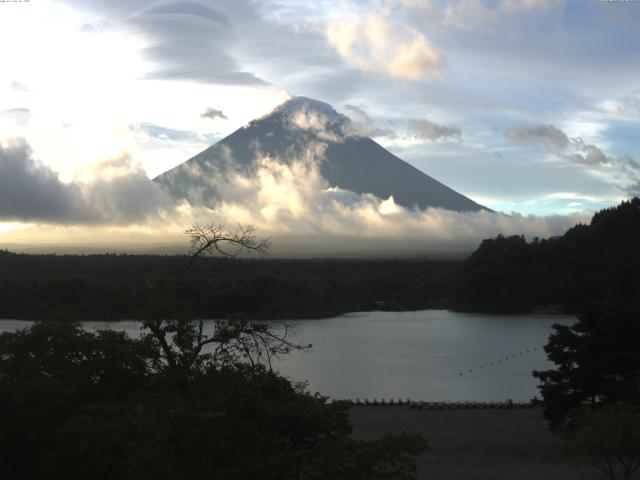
[430, 355]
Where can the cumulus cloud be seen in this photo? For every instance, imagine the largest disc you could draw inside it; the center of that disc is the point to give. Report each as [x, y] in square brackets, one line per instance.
[589, 155]
[287, 198]
[324, 127]
[290, 200]
[212, 113]
[423, 128]
[378, 45]
[625, 169]
[359, 112]
[546, 134]
[31, 192]
[364, 125]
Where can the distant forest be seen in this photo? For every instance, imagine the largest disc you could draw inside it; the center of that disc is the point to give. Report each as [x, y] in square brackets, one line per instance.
[108, 287]
[593, 263]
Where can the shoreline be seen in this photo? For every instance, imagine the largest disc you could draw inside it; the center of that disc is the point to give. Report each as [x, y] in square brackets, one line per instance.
[323, 315]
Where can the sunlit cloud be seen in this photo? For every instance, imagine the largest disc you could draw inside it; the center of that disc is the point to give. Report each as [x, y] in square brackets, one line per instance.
[376, 44]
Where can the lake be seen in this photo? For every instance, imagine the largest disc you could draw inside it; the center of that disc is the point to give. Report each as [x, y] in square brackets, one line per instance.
[429, 355]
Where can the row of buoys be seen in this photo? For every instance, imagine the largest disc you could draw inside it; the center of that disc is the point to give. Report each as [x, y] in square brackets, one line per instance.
[507, 404]
[501, 360]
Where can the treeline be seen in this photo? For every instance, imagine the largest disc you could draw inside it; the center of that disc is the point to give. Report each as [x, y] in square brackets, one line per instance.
[107, 287]
[590, 264]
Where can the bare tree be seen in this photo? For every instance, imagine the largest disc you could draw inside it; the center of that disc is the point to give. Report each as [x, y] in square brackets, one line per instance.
[217, 241]
[185, 344]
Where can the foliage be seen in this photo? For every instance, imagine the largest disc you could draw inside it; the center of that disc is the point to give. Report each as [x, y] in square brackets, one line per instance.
[588, 264]
[77, 404]
[609, 439]
[112, 287]
[175, 403]
[597, 362]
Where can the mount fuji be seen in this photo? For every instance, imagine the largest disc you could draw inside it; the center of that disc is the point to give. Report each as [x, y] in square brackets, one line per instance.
[350, 161]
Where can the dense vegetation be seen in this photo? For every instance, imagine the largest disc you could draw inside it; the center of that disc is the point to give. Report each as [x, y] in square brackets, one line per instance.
[597, 362]
[82, 405]
[114, 286]
[590, 264]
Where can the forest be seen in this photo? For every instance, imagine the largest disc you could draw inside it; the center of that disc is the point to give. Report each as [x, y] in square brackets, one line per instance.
[588, 265]
[110, 287]
[176, 403]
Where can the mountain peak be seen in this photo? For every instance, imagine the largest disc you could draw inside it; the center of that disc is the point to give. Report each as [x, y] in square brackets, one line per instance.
[296, 104]
[349, 162]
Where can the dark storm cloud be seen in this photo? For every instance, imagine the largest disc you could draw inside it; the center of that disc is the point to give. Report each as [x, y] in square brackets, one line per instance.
[423, 128]
[547, 134]
[212, 113]
[30, 192]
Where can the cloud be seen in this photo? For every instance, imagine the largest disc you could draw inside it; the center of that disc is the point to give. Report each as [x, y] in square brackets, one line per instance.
[623, 171]
[364, 116]
[287, 198]
[164, 133]
[30, 192]
[19, 87]
[324, 127]
[378, 45]
[547, 134]
[423, 128]
[212, 113]
[474, 14]
[365, 126]
[21, 116]
[185, 40]
[589, 155]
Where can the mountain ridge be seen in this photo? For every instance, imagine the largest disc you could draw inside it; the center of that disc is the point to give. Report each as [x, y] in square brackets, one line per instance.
[351, 161]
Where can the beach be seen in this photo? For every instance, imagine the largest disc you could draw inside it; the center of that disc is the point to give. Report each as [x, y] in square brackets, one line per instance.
[476, 444]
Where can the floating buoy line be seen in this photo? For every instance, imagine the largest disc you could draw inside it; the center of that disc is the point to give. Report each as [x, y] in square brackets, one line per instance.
[499, 361]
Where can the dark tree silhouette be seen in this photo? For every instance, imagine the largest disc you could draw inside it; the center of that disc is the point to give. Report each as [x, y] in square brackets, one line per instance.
[608, 438]
[597, 363]
[174, 404]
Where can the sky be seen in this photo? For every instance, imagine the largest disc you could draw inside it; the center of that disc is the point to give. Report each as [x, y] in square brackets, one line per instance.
[529, 107]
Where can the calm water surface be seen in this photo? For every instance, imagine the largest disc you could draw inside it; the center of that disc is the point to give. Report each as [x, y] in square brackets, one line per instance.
[431, 355]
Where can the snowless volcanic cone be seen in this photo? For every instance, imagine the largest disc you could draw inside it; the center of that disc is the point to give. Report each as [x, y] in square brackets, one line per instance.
[348, 161]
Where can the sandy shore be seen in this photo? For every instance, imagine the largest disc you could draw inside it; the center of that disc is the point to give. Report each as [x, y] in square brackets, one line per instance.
[476, 444]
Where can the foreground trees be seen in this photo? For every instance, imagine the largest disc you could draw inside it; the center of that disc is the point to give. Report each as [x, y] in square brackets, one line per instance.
[597, 363]
[592, 397]
[101, 405]
[181, 401]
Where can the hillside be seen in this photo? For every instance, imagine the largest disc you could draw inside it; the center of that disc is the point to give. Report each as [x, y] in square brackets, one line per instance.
[589, 264]
[350, 160]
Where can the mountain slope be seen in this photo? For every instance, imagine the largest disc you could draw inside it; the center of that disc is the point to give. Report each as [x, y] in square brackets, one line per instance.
[589, 264]
[351, 161]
